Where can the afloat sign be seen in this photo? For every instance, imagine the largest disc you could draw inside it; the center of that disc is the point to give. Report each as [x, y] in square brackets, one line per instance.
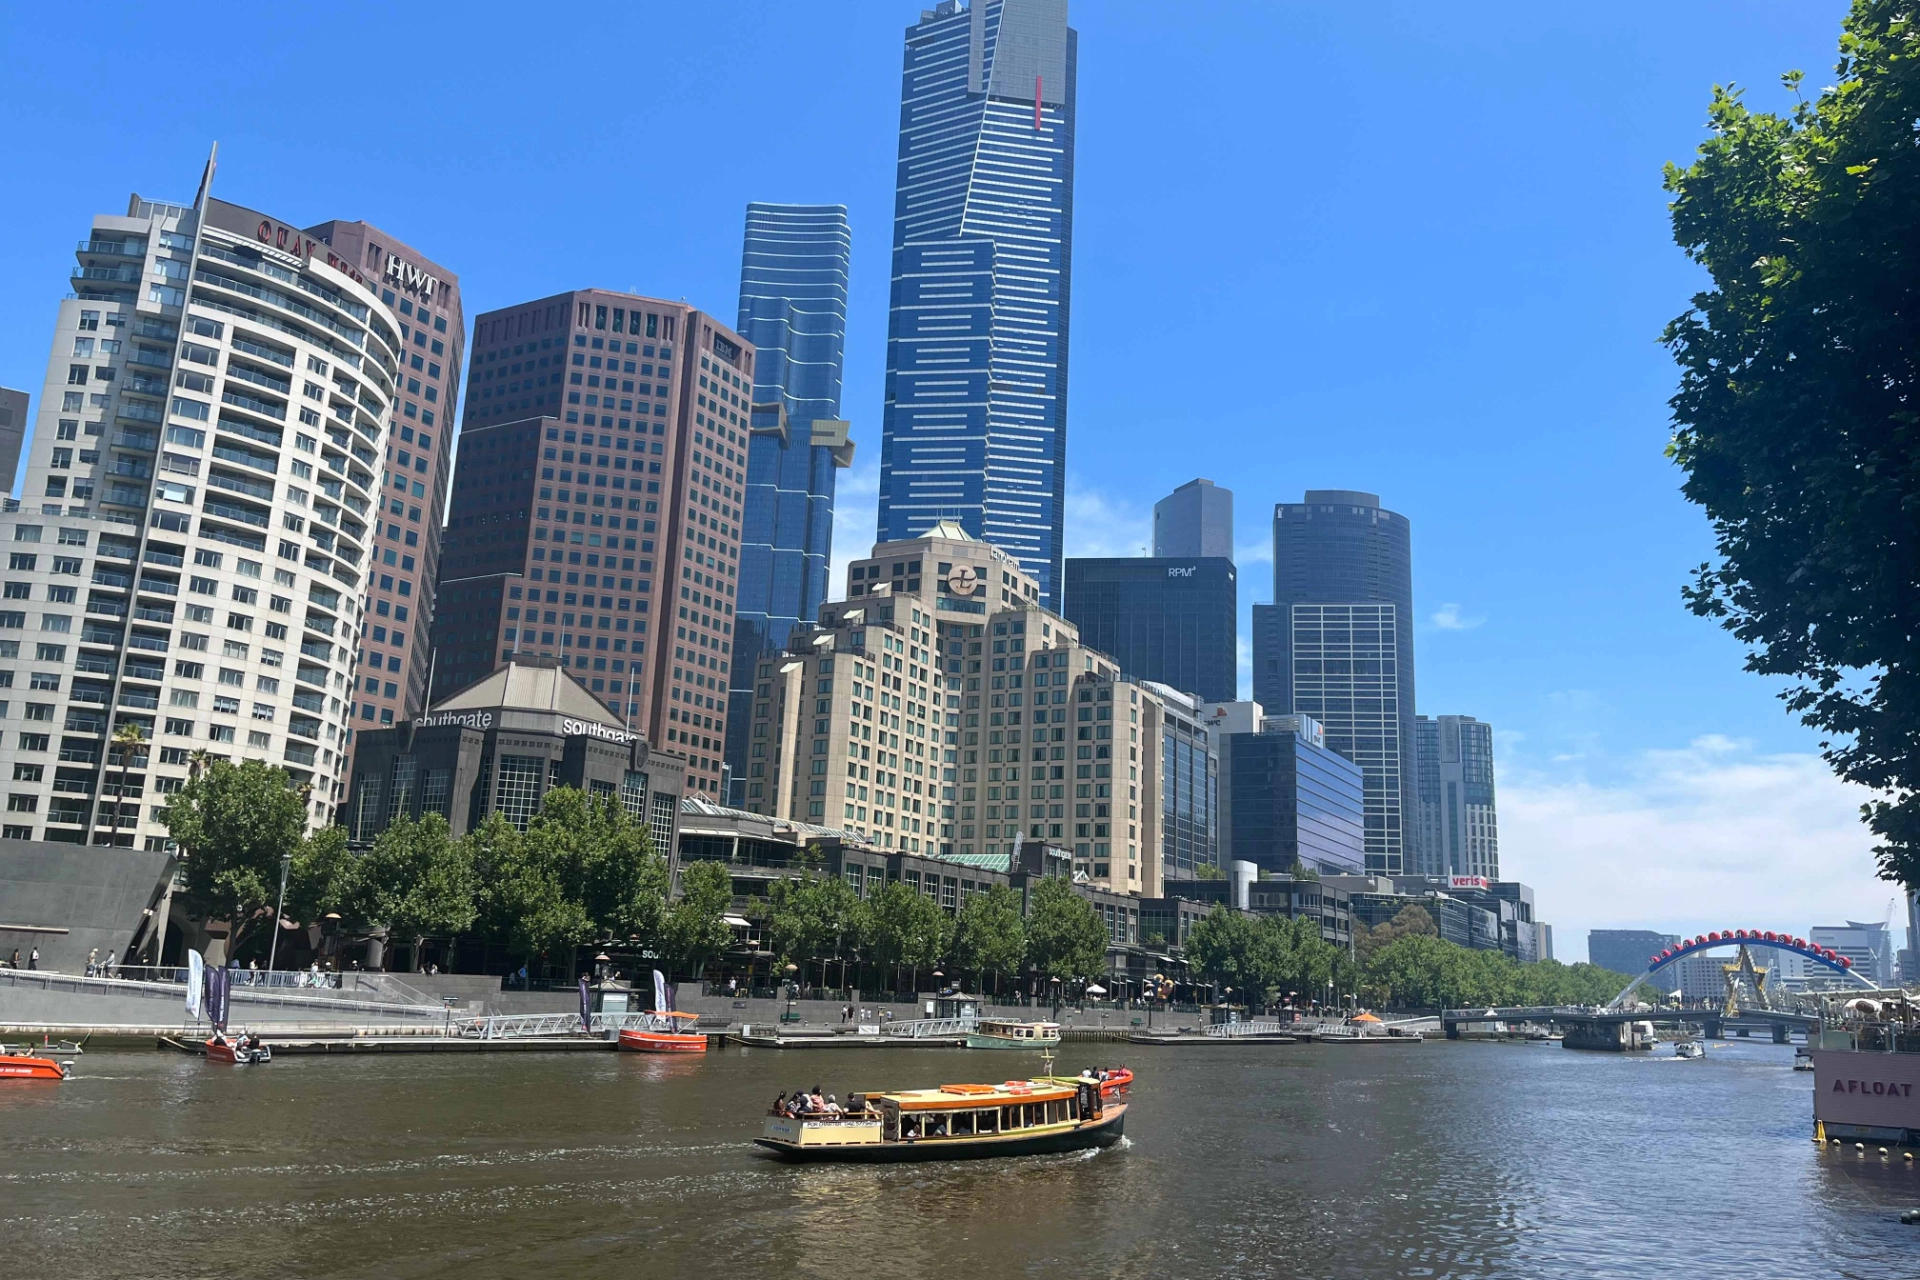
[594, 729]
[468, 719]
[410, 277]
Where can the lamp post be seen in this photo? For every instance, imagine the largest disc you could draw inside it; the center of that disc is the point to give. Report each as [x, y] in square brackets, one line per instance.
[791, 990]
[1055, 983]
[273, 944]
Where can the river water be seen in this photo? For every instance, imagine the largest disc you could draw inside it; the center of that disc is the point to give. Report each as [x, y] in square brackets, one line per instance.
[1437, 1160]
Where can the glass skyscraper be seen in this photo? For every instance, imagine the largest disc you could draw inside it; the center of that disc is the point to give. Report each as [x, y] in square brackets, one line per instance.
[1459, 831]
[975, 426]
[793, 309]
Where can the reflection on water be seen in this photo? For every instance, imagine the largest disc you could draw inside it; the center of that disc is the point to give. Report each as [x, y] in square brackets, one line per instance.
[1444, 1160]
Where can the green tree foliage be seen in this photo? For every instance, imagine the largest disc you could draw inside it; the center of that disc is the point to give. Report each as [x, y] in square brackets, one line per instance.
[322, 877]
[695, 931]
[989, 936]
[1420, 971]
[233, 823]
[417, 881]
[1262, 957]
[812, 917]
[1065, 936]
[523, 899]
[605, 860]
[1795, 420]
[1412, 921]
[906, 930]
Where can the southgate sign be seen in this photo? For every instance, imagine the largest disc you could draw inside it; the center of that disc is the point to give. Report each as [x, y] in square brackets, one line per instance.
[466, 719]
[594, 729]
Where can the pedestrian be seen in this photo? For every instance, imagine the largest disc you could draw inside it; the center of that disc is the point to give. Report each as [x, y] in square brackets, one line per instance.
[253, 972]
[33, 959]
[112, 965]
[846, 1013]
[93, 957]
[15, 962]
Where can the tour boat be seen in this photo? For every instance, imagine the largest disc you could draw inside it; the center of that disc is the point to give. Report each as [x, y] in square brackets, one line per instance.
[1007, 1034]
[18, 1064]
[1689, 1049]
[1116, 1081]
[1866, 1067]
[664, 1033]
[236, 1051]
[952, 1122]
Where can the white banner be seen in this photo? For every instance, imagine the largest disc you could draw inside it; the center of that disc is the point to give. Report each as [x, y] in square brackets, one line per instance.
[196, 978]
[660, 992]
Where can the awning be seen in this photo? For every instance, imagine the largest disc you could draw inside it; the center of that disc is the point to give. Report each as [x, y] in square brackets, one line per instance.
[738, 922]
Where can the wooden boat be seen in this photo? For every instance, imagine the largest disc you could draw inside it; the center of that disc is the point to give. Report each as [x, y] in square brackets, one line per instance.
[665, 1033]
[995, 1033]
[952, 1122]
[16, 1063]
[236, 1051]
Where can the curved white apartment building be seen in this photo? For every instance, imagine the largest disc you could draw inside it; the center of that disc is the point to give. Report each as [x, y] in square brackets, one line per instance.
[190, 550]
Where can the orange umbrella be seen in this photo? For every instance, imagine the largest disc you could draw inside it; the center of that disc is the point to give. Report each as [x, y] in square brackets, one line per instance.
[1366, 1017]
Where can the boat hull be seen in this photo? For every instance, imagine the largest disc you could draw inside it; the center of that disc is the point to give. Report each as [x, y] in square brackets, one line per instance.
[234, 1056]
[20, 1068]
[1094, 1133]
[1861, 1096]
[662, 1042]
[977, 1041]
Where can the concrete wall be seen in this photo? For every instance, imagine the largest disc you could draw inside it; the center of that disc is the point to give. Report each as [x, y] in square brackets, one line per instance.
[64, 1000]
[68, 899]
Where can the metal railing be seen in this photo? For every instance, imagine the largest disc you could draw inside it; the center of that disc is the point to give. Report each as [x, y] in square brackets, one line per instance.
[528, 1026]
[1234, 1030]
[922, 1028]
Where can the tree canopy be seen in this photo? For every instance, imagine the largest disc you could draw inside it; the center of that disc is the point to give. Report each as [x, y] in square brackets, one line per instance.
[989, 935]
[1796, 420]
[233, 823]
[417, 880]
[695, 931]
[906, 929]
[813, 917]
[1065, 936]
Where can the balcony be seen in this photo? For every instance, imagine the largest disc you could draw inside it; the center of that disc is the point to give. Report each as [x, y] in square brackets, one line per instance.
[258, 378]
[153, 613]
[88, 664]
[313, 702]
[227, 511]
[154, 555]
[221, 480]
[145, 385]
[112, 578]
[253, 404]
[317, 649]
[137, 670]
[109, 275]
[114, 248]
[143, 440]
[265, 353]
[159, 586]
[139, 699]
[133, 468]
[140, 411]
[106, 606]
[139, 641]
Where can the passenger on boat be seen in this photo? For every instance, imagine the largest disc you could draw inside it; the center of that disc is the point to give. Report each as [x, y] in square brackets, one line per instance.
[910, 1128]
[780, 1102]
[833, 1105]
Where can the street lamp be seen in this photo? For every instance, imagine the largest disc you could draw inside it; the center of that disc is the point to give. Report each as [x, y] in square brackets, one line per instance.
[273, 944]
[1056, 997]
[792, 990]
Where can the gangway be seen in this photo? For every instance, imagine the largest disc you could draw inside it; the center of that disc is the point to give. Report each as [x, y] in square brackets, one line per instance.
[1235, 1030]
[929, 1028]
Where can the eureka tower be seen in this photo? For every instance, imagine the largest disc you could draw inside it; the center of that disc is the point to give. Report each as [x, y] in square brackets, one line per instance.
[975, 420]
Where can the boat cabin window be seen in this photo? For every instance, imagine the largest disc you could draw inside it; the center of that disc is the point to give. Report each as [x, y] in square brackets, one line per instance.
[889, 1120]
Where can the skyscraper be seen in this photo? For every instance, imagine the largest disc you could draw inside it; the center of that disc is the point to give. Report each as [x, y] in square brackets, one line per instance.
[1459, 833]
[13, 429]
[190, 557]
[1189, 788]
[1337, 644]
[793, 310]
[975, 422]
[1194, 520]
[596, 509]
[1169, 620]
[1626, 950]
[1295, 801]
[395, 657]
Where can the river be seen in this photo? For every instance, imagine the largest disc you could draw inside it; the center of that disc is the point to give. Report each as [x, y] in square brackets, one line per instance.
[1441, 1160]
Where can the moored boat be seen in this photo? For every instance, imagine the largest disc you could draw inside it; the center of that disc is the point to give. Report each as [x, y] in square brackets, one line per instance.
[952, 1122]
[998, 1033]
[17, 1063]
[237, 1051]
[1112, 1080]
[1866, 1069]
[664, 1032]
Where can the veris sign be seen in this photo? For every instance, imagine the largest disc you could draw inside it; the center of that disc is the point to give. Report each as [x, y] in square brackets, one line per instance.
[406, 276]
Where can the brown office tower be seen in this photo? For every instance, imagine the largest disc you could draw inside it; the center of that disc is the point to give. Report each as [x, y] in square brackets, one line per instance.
[404, 565]
[596, 510]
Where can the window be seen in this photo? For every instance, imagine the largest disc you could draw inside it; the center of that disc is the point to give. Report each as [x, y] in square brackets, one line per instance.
[517, 791]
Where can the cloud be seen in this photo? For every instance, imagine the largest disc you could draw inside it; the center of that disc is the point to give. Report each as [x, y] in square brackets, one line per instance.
[1710, 836]
[856, 515]
[1448, 618]
[1101, 525]
[1259, 551]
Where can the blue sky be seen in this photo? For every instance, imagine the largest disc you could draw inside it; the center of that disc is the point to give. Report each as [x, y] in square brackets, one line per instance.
[1419, 250]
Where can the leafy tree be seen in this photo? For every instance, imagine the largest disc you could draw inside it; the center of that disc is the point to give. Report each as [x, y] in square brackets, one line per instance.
[417, 880]
[989, 936]
[1795, 420]
[605, 860]
[233, 823]
[694, 931]
[324, 877]
[906, 929]
[1222, 949]
[812, 917]
[126, 743]
[1065, 936]
[1410, 921]
[523, 898]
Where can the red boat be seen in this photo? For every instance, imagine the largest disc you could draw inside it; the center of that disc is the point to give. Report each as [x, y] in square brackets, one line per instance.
[18, 1066]
[237, 1051]
[1116, 1082]
[665, 1033]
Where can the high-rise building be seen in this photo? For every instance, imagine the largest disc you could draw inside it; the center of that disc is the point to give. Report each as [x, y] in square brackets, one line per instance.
[192, 551]
[1171, 621]
[404, 561]
[1626, 950]
[1223, 722]
[1026, 735]
[1459, 831]
[1194, 520]
[13, 432]
[1295, 801]
[1337, 644]
[975, 422]
[1189, 788]
[597, 508]
[793, 311]
[1869, 946]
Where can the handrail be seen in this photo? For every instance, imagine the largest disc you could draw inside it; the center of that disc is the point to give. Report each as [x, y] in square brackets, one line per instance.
[1234, 1030]
[922, 1028]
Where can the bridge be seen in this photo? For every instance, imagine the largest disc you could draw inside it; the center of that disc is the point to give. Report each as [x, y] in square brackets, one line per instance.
[1743, 938]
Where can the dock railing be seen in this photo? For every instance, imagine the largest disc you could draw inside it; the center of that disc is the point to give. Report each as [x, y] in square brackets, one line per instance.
[924, 1028]
[1234, 1030]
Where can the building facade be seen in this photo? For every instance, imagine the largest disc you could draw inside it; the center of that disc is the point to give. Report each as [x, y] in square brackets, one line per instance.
[1189, 788]
[1175, 622]
[1026, 735]
[974, 428]
[1337, 644]
[1868, 945]
[1459, 829]
[1295, 801]
[498, 746]
[191, 552]
[597, 507]
[13, 431]
[793, 310]
[1626, 950]
[404, 561]
[1193, 522]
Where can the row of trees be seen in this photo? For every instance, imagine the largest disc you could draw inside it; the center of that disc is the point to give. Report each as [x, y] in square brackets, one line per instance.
[818, 919]
[583, 871]
[1402, 963]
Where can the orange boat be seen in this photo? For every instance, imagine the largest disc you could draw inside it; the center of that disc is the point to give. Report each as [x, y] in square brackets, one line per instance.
[664, 1033]
[1116, 1082]
[17, 1065]
[237, 1051]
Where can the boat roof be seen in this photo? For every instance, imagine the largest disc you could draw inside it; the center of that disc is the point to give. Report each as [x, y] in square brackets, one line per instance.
[1015, 1022]
[674, 1013]
[951, 1096]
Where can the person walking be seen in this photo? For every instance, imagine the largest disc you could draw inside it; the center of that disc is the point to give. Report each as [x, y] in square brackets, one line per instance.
[112, 966]
[93, 957]
[33, 958]
[15, 962]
